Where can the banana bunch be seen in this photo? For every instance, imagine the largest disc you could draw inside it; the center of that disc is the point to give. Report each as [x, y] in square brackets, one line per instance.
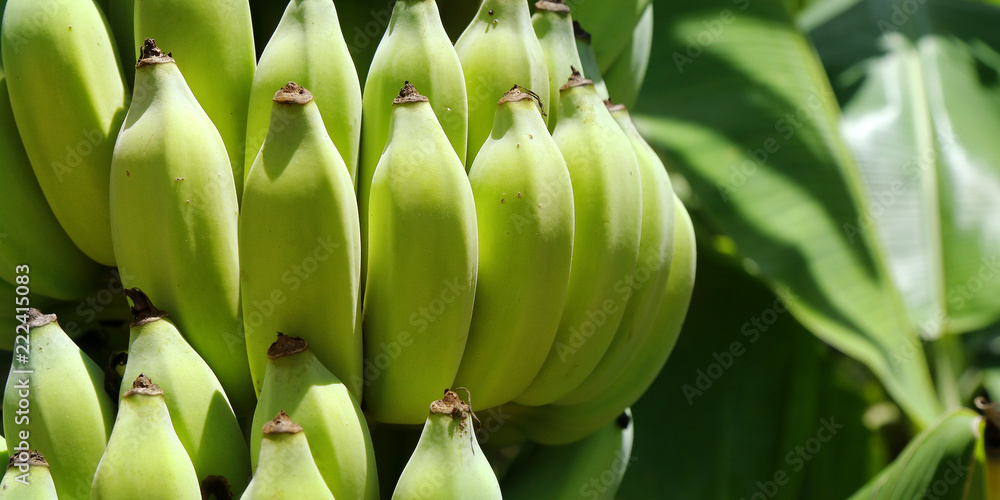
[502, 231]
[448, 463]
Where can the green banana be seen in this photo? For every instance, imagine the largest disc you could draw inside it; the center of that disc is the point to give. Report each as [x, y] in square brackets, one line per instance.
[499, 49]
[121, 17]
[608, 206]
[286, 469]
[199, 408]
[524, 206]
[309, 284]
[296, 382]
[422, 232]
[174, 215]
[213, 40]
[561, 424]
[590, 468]
[588, 60]
[145, 458]
[611, 24]
[626, 74]
[448, 463]
[69, 98]
[554, 28]
[30, 234]
[649, 285]
[54, 402]
[415, 48]
[308, 48]
[363, 24]
[27, 478]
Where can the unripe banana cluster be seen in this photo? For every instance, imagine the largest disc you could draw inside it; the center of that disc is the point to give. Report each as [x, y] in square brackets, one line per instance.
[329, 256]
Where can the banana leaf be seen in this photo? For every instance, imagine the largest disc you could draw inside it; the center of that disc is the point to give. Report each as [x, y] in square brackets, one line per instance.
[737, 96]
[939, 463]
[918, 82]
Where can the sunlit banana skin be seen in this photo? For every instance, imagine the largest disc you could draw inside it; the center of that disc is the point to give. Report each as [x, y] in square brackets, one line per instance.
[608, 210]
[588, 60]
[198, 406]
[590, 468]
[308, 48]
[560, 424]
[285, 468]
[499, 49]
[69, 98]
[30, 234]
[447, 463]
[213, 43]
[27, 478]
[524, 207]
[297, 383]
[553, 26]
[145, 458]
[626, 74]
[174, 214]
[649, 283]
[422, 265]
[414, 48]
[300, 243]
[68, 416]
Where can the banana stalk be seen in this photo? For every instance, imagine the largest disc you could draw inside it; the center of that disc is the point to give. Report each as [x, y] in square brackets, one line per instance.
[649, 284]
[308, 48]
[174, 214]
[608, 208]
[213, 40]
[55, 403]
[69, 98]
[447, 463]
[422, 232]
[145, 458]
[524, 206]
[499, 49]
[305, 275]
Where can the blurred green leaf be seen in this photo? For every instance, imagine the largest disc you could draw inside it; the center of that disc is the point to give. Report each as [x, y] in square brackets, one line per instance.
[920, 87]
[782, 419]
[939, 463]
[737, 96]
